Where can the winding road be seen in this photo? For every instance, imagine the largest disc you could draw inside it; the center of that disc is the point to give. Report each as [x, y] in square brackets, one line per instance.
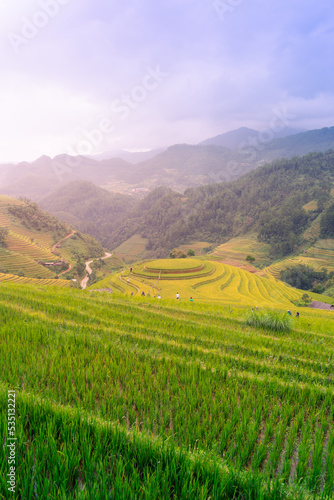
[89, 270]
[54, 248]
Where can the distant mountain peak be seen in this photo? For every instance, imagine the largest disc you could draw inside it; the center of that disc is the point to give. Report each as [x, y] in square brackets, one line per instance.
[234, 138]
[231, 139]
[42, 159]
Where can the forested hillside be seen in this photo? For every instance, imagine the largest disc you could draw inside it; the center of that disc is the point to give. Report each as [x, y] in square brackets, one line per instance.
[268, 201]
[91, 209]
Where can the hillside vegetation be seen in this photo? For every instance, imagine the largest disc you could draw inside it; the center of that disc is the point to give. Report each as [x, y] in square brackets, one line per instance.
[31, 238]
[279, 215]
[268, 202]
[146, 398]
[91, 209]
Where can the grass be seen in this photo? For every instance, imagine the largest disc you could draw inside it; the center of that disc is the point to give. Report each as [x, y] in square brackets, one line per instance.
[236, 250]
[312, 205]
[198, 246]
[166, 265]
[13, 278]
[132, 250]
[278, 322]
[131, 397]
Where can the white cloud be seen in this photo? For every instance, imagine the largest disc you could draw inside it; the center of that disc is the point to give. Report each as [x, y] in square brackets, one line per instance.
[222, 75]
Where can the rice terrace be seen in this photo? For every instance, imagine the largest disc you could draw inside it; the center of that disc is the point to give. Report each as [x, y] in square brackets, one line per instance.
[167, 250]
[129, 396]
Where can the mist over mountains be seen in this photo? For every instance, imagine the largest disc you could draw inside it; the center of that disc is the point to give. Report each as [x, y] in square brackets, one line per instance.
[222, 158]
[268, 202]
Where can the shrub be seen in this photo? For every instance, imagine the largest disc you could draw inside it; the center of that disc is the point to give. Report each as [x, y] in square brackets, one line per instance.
[250, 258]
[318, 288]
[270, 320]
[177, 254]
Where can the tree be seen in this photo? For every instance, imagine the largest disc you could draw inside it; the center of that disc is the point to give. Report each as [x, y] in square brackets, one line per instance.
[318, 288]
[250, 258]
[327, 223]
[177, 254]
[3, 234]
[80, 267]
[191, 252]
[306, 299]
[64, 266]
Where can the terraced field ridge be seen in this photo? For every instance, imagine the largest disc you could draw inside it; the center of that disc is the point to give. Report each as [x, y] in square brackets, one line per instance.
[126, 397]
[13, 278]
[175, 269]
[318, 256]
[237, 249]
[202, 280]
[33, 241]
[166, 266]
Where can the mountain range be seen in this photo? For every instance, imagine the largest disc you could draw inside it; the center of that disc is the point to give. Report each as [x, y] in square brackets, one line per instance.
[277, 202]
[178, 167]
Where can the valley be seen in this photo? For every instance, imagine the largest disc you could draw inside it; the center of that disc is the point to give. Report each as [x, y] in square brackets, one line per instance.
[157, 350]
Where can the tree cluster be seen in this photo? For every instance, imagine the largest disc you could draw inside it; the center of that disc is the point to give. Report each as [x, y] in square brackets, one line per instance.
[307, 278]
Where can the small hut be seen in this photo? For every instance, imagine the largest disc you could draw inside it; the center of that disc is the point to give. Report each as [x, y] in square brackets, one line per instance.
[315, 304]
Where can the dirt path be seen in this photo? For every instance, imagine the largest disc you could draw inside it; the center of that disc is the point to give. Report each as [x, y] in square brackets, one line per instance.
[89, 270]
[53, 249]
[67, 270]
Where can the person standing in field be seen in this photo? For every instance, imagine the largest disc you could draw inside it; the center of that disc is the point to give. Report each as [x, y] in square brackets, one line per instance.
[177, 295]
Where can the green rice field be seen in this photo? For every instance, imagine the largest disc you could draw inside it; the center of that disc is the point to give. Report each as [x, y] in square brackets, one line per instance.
[130, 397]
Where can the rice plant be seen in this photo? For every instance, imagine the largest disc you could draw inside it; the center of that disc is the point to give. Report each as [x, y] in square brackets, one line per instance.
[271, 320]
[128, 397]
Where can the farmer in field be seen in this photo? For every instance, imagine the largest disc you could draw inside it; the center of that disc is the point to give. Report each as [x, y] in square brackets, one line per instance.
[191, 299]
[177, 295]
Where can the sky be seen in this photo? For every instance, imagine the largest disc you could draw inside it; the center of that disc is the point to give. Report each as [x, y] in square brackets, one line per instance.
[84, 76]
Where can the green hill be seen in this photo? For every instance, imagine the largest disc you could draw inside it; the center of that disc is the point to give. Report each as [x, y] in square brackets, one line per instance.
[91, 209]
[280, 204]
[33, 241]
[268, 201]
[146, 398]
